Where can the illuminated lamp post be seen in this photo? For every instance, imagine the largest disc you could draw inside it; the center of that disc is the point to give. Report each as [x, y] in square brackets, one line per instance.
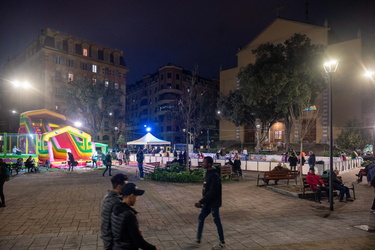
[330, 68]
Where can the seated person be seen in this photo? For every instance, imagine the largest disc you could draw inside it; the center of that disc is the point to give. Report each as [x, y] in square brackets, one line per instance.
[237, 164]
[316, 184]
[16, 151]
[362, 172]
[338, 185]
[279, 167]
[30, 163]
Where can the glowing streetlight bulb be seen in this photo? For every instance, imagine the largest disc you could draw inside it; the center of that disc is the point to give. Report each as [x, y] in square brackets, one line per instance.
[369, 74]
[78, 124]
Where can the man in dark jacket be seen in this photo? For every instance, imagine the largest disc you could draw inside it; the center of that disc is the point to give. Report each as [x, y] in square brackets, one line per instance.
[108, 164]
[293, 161]
[339, 185]
[140, 159]
[211, 201]
[111, 198]
[71, 160]
[125, 229]
[3, 176]
[312, 159]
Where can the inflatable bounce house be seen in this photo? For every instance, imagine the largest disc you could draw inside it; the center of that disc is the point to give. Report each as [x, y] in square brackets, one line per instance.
[44, 134]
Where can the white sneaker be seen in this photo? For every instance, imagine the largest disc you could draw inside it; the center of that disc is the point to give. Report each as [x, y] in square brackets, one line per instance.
[141, 179]
[219, 246]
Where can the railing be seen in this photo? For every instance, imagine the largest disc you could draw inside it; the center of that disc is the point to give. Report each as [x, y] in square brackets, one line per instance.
[260, 165]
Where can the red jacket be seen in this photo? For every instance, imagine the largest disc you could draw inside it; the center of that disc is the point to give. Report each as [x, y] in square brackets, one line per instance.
[314, 180]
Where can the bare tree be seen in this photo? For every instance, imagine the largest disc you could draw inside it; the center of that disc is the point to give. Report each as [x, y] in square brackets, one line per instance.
[304, 123]
[91, 102]
[195, 109]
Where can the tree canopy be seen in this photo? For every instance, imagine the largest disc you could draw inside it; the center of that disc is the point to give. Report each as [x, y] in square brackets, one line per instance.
[283, 78]
[353, 136]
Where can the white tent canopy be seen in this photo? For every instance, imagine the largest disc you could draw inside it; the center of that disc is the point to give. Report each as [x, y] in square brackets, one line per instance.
[148, 139]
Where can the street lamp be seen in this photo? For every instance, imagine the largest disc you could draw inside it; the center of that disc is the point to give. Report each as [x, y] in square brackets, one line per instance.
[330, 68]
[78, 124]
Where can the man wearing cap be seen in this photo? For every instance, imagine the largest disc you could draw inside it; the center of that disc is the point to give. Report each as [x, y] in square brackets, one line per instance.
[112, 197]
[211, 201]
[124, 221]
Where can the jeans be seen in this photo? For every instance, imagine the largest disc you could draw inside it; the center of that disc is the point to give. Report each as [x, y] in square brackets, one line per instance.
[319, 192]
[70, 164]
[343, 190]
[205, 211]
[107, 167]
[140, 167]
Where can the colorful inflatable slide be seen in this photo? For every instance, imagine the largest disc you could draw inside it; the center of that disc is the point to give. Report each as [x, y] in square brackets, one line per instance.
[55, 139]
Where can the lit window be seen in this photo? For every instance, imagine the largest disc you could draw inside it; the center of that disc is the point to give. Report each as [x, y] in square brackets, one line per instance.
[56, 107]
[84, 52]
[93, 81]
[278, 135]
[106, 83]
[94, 68]
[70, 77]
[116, 85]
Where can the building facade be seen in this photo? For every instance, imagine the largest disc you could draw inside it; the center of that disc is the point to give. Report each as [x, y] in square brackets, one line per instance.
[149, 103]
[349, 83]
[55, 61]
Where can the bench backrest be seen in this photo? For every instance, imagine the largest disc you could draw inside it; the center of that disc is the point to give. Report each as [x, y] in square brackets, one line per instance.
[226, 170]
[281, 173]
[156, 164]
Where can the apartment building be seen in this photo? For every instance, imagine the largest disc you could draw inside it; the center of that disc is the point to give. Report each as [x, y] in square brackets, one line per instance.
[149, 103]
[55, 61]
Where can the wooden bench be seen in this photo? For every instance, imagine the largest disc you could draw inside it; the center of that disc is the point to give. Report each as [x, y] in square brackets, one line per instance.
[226, 171]
[306, 186]
[149, 168]
[156, 164]
[278, 175]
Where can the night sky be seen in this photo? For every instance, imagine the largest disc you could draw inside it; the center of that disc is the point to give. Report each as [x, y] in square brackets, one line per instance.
[152, 33]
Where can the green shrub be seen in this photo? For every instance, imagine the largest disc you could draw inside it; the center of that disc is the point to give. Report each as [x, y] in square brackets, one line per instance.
[177, 173]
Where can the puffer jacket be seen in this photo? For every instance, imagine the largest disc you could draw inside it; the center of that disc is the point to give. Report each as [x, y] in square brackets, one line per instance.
[211, 189]
[108, 203]
[125, 229]
[314, 180]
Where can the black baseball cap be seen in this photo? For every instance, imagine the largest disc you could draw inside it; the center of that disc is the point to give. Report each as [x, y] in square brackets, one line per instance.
[131, 188]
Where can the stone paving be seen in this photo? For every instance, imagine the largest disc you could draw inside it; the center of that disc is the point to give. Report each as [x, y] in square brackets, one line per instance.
[61, 210]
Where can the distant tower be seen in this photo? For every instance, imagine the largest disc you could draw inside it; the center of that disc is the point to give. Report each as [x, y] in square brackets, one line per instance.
[307, 12]
[277, 10]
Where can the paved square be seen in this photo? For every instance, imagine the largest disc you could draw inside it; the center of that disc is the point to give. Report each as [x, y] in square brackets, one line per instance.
[61, 210]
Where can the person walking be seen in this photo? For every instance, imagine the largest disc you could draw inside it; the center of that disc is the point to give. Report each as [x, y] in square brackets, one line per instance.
[70, 160]
[108, 164]
[140, 158]
[3, 177]
[124, 222]
[211, 201]
[110, 200]
[94, 159]
[127, 157]
[120, 156]
[371, 182]
[293, 161]
[312, 159]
